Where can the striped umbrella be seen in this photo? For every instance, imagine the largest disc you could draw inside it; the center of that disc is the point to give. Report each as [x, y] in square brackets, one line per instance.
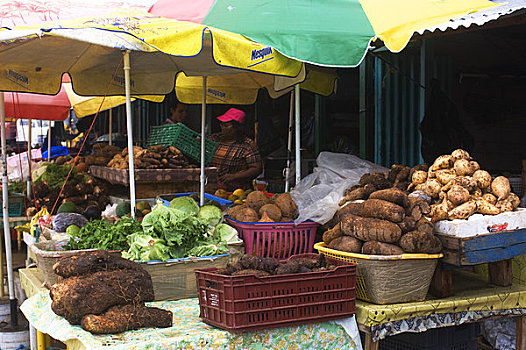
[323, 32]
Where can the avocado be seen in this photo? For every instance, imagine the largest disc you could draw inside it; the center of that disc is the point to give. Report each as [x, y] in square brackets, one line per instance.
[67, 207]
[123, 208]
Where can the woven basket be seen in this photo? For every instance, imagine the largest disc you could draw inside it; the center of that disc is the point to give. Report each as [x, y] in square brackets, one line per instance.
[48, 253]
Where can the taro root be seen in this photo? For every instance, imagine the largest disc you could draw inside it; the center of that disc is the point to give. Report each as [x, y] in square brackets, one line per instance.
[458, 195]
[272, 211]
[482, 178]
[233, 211]
[286, 205]
[257, 199]
[408, 224]
[460, 154]
[500, 187]
[377, 179]
[381, 248]
[257, 273]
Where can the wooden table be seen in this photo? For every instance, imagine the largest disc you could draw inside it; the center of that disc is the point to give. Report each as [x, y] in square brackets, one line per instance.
[473, 300]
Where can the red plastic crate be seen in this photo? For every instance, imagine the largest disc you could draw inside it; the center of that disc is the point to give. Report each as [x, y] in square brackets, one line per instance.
[246, 302]
[279, 240]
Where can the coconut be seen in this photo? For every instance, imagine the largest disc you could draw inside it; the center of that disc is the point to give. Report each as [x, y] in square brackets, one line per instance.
[271, 210]
[247, 215]
[257, 199]
[286, 205]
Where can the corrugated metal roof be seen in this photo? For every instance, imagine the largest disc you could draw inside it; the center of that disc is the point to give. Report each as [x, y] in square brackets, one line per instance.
[481, 17]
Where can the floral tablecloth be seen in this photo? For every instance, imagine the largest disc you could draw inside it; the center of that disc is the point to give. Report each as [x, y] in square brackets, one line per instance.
[189, 332]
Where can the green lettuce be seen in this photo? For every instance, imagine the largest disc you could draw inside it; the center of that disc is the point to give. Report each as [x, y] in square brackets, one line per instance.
[145, 248]
[212, 214]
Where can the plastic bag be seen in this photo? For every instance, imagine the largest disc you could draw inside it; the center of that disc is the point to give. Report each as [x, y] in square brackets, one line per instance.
[317, 195]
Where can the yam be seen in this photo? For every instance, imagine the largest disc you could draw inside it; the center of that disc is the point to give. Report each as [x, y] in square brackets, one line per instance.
[408, 224]
[420, 242]
[463, 211]
[257, 199]
[287, 205]
[393, 195]
[333, 233]
[425, 225]
[370, 229]
[482, 178]
[358, 193]
[442, 162]
[458, 195]
[369, 188]
[377, 179]
[272, 211]
[486, 208]
[381, 209]
[395, 170]
[413, 210]
[460, 154]
[354, 208]
[380, 248]
[257, 273]
[500, 187]
[445, 175]
[490, 198]
[463, 167]
[402, 176]
[346, 244]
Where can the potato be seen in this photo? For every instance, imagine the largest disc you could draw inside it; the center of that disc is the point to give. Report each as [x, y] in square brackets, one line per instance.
[380, 248]
[442, 162]
[463, 211]
[485, 207]
[420, 242]
[482, 178]
[272, 210]
[432, 188]
[333, 233]
[463, 167]
[490, 198]
[354, 208]
[346, 244]
[460, 154]
[369, 229]
[500, 187]
[458, 195]
[419, 177]
[393, 195]
[381, 209]
[445, 175]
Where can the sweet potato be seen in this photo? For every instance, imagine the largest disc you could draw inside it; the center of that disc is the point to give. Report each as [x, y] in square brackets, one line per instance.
[463, 167]
[419, 177]
[445, 175]
[485, 207]
[490, 198]
[460, 154]
[369, 229]
[393, 195]
[380, 209]
[463, 211]
[420, 242]
[442, 162]
[458, 195]
[380, 248]
[332, 234]
[346, 244]
[500, 187]
[432, 188]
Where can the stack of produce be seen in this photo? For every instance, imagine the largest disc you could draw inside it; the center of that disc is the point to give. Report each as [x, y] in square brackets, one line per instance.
[260, 267]
[457, 188]
[154, 157]
[261, 208]
[81, 189]
[102, 154]
[388, 222]
[105, 294]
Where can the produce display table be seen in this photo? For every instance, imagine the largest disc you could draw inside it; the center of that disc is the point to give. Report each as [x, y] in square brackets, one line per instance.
[473, 300]
[151, 182]
[188, 331]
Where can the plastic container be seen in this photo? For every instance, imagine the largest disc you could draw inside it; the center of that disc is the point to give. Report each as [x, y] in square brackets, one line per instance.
[461, 337]
[389, 279]
[183, 138]
[246, 302]
[278, 240]
[15, 206]
[166, 198]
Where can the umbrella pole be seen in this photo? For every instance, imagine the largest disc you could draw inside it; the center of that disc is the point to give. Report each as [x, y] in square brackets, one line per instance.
[129, 129]
[110, 125]
[48, 141]
[297, 133]
[7, 234]
[203, 120]
[289, 142]
[29, 161]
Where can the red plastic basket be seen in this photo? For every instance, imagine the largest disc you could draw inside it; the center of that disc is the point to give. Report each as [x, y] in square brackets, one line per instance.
[246, 302]
[278, 240]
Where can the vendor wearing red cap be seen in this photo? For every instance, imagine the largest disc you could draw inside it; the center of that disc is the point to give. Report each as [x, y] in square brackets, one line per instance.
[237, 157]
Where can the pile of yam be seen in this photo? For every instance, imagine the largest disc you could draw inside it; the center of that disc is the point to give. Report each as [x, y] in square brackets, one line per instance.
[102, 154]
[383, 219]
[153, 157]
[457, 188]
[261, 208]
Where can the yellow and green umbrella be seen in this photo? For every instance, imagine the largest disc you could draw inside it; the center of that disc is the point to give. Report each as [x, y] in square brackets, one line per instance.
[322, 32]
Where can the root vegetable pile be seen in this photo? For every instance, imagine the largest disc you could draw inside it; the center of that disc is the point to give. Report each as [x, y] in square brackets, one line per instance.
[261, 208]
[154, 157]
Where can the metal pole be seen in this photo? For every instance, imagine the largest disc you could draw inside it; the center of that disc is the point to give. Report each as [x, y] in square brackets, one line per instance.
[7, 234]
[29, 161]
[129, 128]
[203, 121]
[110, 125]
[297, 133]
[289, 142]
[48, 141]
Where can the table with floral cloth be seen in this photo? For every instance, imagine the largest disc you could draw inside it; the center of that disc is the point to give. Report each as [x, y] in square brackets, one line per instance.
[189, 332]
[473, 300]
